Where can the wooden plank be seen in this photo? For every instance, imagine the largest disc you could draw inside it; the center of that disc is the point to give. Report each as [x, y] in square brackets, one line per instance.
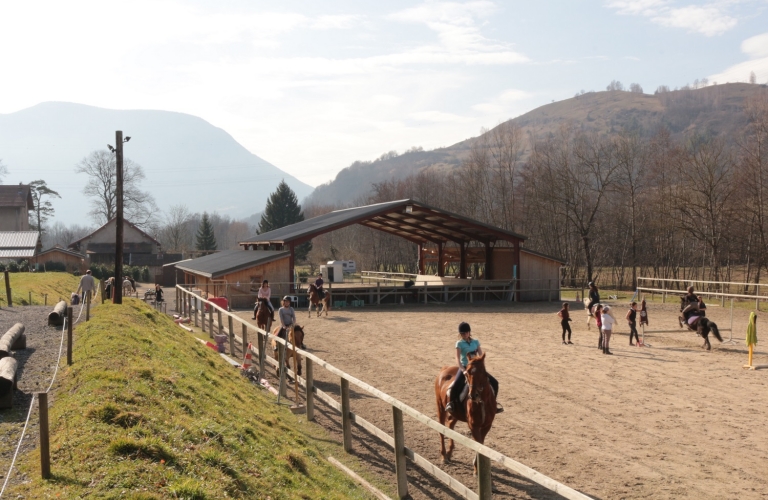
[231, 335]
[374, 491]
[310, 390]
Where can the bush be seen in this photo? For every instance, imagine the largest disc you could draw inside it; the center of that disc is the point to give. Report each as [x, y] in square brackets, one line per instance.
[24, 266]
[55, 267]
[13, 266]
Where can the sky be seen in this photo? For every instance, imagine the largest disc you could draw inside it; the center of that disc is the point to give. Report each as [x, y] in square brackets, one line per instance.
[313, 86]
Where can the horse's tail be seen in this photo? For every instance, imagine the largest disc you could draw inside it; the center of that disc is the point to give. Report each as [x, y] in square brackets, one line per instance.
[715, 331]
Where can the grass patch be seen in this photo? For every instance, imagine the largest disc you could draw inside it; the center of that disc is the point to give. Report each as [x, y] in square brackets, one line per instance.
[54, 284]
[146, 411]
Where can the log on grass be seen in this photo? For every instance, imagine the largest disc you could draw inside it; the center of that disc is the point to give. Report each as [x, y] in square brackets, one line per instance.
[56, 318]
[13, 340]
[7, 381]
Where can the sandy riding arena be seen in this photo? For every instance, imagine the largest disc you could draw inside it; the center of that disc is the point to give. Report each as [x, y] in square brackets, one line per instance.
[669, 421]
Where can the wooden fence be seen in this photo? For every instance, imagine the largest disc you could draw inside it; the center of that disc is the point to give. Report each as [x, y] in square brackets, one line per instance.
[184, 301]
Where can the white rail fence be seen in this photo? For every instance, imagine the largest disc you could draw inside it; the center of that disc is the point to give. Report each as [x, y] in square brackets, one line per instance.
[184, 304]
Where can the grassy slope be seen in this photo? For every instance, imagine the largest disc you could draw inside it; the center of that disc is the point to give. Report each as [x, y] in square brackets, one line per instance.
[146, 411]
[54, 284]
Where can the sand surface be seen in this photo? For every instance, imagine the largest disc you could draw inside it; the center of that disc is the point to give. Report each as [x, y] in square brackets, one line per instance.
[668, 421]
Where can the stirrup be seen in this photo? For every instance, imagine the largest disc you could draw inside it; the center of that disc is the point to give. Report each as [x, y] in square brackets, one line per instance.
[449, 407]
[499, 409]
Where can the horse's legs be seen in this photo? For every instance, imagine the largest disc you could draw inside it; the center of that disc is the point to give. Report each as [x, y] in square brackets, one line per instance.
[441, 418]
[451, 425]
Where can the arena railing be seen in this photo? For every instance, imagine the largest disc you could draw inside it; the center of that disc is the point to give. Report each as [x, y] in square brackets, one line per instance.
[485, 454]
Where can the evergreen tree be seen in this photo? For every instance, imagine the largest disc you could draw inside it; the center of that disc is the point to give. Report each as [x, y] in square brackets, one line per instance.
[282, 210]
[43, 208]
[205, 239]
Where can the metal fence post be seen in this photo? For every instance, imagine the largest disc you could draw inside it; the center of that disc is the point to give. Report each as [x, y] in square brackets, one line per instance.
[400, 467]
[346, 420]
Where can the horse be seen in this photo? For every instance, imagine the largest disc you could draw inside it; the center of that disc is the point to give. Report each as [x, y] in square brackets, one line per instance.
[702, 326]
[127, 287]
[479, 409]
[296, 338]
[314, 300]
[263, 315]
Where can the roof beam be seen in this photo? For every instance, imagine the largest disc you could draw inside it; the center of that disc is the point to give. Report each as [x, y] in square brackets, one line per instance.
[392, 231]
[479, 226]
[411, 224]
[469, 236]
[411, 228]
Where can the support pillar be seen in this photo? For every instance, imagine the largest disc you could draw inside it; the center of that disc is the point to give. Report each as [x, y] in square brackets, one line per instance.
[421, 259]
[463, 262]
[488, 262]
[291, 263]
[440, 259]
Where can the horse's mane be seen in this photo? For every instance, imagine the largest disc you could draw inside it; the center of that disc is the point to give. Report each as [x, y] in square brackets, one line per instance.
[477, 361]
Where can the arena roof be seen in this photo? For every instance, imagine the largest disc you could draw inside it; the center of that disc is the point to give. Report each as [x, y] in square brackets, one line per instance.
[228, 261]
[411, 220]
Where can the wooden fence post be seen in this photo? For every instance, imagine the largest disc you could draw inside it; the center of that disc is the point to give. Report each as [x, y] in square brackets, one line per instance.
[45, 297]
[88, 305]
[196, 313]
[484, 484]
[69, 335]
[102, 292]
[310, 382]
[45, 453]
[471, 295]
[245, 337]
[220, 329]
[8, 289]
[281, 367]
[399, 434]
[378, 293]
[30, 297]
[231, 335]
[261, 340]
[210, 320]
[346, 420]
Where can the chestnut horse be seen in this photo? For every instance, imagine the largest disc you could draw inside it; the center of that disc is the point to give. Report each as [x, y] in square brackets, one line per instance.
[479, 409]
[314, 300]
[296, 338]
[263, 315]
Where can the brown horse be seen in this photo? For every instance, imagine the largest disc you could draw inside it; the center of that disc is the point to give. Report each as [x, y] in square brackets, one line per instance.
[296, 338]
[314, 300]
[479, 409]
[263, 315]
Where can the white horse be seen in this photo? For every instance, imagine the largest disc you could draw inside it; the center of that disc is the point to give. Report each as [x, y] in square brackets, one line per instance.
[127, 288]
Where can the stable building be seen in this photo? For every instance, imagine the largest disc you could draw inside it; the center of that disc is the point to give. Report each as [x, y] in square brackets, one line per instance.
[237, 274]
[71, 260]
[19, 245]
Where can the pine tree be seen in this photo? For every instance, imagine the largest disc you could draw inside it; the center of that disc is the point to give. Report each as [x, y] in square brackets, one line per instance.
[282, 210]
[205, 238]
[43, 208]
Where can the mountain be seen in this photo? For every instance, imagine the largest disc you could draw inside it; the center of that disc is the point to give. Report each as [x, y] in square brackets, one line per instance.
[186, 159]
[717, 109]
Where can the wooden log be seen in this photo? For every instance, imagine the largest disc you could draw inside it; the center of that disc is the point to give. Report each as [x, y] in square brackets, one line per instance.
[56, 317]
[13, 340]
[8, 366]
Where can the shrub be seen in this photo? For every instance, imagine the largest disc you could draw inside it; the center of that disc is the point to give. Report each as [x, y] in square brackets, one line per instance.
[13, 266]
[55, 267]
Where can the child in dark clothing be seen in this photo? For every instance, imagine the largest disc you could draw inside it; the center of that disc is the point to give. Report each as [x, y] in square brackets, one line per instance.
[565, 317]
[632, 321]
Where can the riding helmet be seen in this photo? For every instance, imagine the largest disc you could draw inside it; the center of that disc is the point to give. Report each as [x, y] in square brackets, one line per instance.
[464, 327]
[591, 283]
[287, 297]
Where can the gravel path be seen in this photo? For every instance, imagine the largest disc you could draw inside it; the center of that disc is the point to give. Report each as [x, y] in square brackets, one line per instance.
[36, 367]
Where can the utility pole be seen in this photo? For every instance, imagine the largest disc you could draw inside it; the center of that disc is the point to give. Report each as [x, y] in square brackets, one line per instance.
[117, 289]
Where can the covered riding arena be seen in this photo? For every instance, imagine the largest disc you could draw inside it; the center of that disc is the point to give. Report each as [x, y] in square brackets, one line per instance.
[667, 422]
[485, 260]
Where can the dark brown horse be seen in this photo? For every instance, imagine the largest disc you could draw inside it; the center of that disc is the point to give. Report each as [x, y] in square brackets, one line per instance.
[314, 300]
[296, 338]
[702, 326]
[263, 315]
[479, 409]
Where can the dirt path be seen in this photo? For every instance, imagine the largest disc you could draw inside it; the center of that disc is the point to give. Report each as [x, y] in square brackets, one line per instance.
[670, 421]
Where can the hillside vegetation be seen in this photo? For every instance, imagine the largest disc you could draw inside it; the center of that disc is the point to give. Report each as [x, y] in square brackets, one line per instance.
[146, 411]
[716, 110]
[54, 284]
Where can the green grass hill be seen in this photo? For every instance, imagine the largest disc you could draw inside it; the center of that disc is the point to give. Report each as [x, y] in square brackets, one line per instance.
[54, 284]
[146, 411]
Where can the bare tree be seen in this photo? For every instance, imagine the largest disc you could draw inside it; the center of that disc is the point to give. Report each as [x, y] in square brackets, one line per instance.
[752, 77]
[175, 232]
[636, 88]
[100, 167]
[614, 85]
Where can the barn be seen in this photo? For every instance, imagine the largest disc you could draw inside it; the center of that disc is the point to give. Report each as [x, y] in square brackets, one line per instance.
[442, 238]
[237, 275]
[71, 260]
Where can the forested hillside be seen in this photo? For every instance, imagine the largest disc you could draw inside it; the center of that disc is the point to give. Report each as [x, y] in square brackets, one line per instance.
[671, 185]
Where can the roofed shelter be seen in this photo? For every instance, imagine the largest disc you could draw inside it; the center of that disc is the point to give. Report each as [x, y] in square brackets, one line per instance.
[441, 236]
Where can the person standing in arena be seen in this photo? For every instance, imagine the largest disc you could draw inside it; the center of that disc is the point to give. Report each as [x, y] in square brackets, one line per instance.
[565, 317]
[632, 322]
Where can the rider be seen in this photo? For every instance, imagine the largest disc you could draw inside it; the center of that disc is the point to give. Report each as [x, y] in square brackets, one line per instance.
[466, 349]
[594, 298]
[265, 292]
[287, 318]
[690, 305]
[319, 286]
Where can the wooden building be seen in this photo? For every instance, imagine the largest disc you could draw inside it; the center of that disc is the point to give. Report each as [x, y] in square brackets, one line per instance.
[237, 274]
[15, 203]
[72, 261]
[19, 245]
[539, 276]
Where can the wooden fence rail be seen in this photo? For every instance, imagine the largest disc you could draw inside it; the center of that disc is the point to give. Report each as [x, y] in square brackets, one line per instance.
[485, 454]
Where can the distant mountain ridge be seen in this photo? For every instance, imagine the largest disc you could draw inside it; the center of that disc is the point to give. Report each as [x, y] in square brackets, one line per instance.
[715, 109]
[186, 159]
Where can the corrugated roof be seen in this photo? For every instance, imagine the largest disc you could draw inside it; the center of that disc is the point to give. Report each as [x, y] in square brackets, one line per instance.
[19, 239]
[16, 196]
[61, 250]
[17, 253]
[421, 224]
[228, 261]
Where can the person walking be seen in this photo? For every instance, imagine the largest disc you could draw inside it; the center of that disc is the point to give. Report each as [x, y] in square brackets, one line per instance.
[608, 323]
[565, 317]
[594, 298]
[466, 349]
[599, 321]
[87, 285]
[632, 322]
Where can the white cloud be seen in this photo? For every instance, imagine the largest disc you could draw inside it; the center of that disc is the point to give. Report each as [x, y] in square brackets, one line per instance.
[710, 19]
[337, 22]
[503, 104]
[757, 48]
